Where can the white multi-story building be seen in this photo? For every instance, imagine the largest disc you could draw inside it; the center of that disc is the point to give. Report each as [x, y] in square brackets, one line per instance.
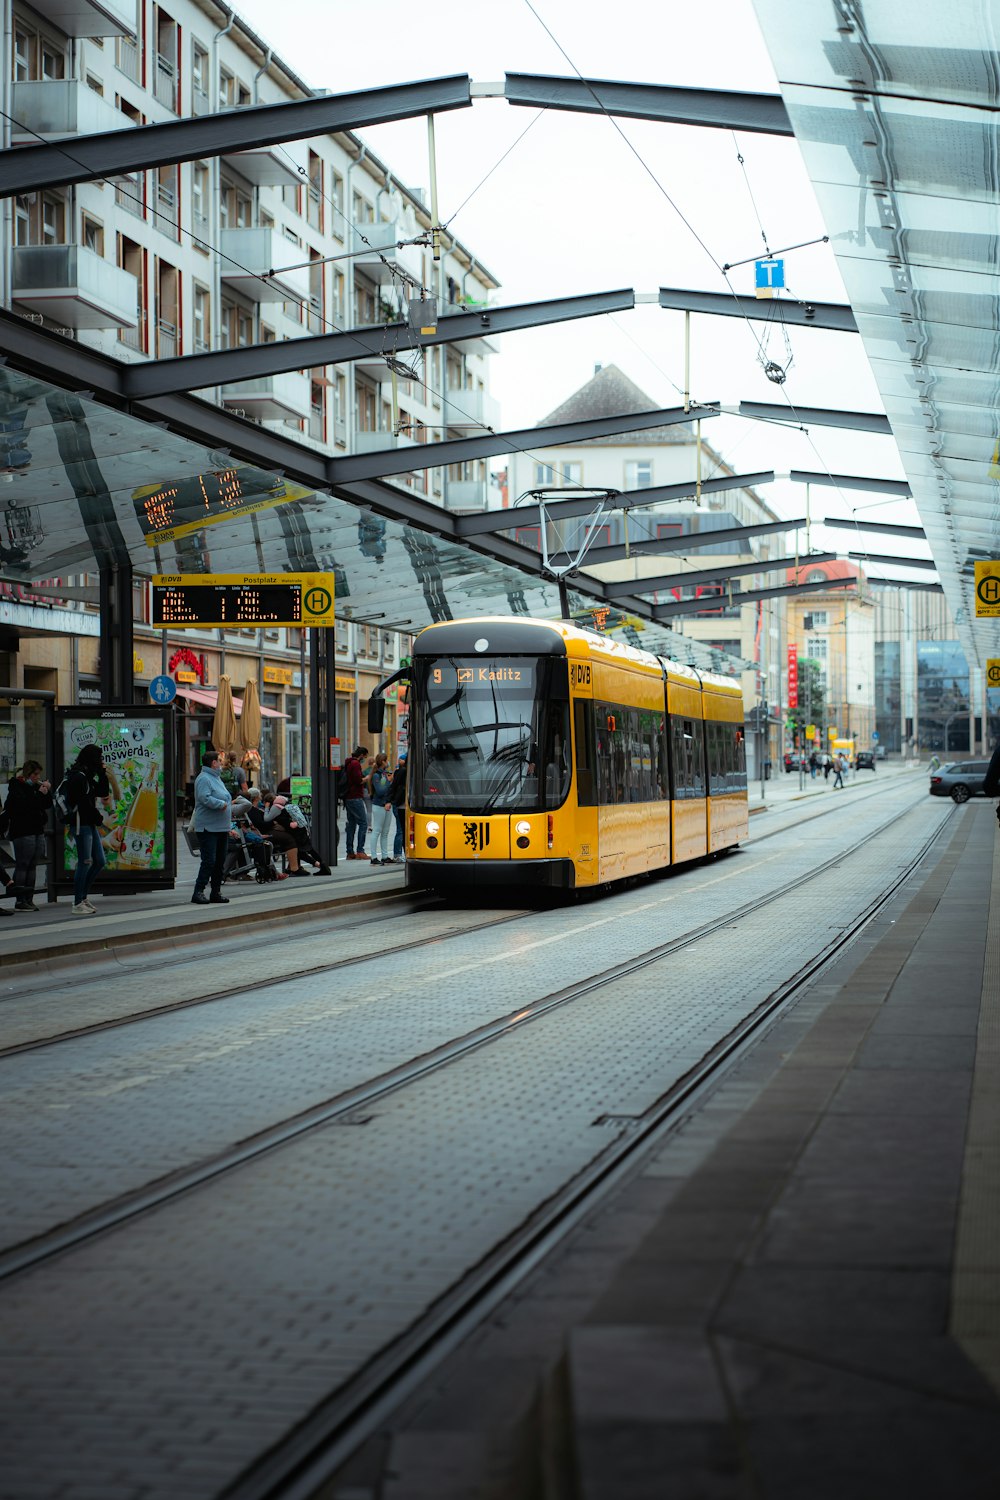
[171, 261]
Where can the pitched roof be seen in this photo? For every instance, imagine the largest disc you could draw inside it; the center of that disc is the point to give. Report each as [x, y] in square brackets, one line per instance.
[609, 393]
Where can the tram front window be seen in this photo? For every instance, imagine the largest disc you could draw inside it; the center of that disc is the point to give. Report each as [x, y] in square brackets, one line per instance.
[488, 736]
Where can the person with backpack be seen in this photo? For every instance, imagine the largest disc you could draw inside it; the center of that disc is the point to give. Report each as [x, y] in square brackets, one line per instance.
[839, 766]
[354, 802]
[379, 783]
[26, 815]
[397, 799]
[86, 784]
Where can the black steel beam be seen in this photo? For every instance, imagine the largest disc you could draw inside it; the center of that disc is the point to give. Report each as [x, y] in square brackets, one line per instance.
[926, 563]
[832, 315]
[750, 596]
[853, 482]
[816, 416]
[763, 113]
[868, 527]
[710, 575]
[690, 541]
[434, 455]
[907, 583]
[195, 372]
[33, 168]
[530, 515]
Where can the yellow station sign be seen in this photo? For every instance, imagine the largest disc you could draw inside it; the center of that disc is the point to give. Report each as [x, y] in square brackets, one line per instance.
[993, 672]
[988, 589]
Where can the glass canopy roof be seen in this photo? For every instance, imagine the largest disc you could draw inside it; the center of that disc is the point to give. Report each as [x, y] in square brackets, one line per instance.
[894, 109]
[84, 486]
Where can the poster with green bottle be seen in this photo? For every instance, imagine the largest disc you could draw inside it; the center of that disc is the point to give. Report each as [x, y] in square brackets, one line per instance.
[137, 834]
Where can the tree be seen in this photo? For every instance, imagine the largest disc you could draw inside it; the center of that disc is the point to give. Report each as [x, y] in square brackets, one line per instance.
[812, 691]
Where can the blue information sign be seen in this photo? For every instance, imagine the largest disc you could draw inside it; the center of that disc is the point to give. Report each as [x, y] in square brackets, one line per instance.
[163, 689]
[769, 275]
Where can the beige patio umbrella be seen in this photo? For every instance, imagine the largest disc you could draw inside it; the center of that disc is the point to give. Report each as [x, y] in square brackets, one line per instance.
[224, 723]
[250, 725]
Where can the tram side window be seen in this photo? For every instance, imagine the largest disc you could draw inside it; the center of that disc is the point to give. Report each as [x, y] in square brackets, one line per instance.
[740, 759]
[610, 754]
[586, 780]
[688, 755]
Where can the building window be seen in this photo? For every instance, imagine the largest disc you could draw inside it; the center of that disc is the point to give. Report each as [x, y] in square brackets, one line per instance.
[639, 474]
[166, 76]
[529, 536]
[237, 326]
[365, 305]
[365, 408]
[558, 476]
[92, 234]
[317, 411]
[337, 198]
[339, 297]
[199, 205]
[314, 205]
[53, 220]
[25, 52]
[202, 316]
[95, 85]
[362, 211]
[53, 62]
[669, 528]
[132, 258]
[340, 408]
[199, 79]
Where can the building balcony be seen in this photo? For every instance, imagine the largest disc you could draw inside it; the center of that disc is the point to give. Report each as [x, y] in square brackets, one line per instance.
[270, 166]
[470, 409]
[375, 442]
[89, 17]
[379, 259]
[260, 251]
[61, 107]
[74, 287]
[271, 398]
[470, 495]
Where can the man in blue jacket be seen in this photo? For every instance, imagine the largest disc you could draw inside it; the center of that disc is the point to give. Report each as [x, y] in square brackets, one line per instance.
[212, 821]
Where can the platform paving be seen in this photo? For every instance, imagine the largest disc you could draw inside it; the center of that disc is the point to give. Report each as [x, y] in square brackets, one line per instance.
[800, 1293]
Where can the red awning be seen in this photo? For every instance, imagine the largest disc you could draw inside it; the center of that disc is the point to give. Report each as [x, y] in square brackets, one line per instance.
[208, 697]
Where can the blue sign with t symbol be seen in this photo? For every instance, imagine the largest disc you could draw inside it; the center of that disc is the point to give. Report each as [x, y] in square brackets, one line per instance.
[163, 689]
[769, 275]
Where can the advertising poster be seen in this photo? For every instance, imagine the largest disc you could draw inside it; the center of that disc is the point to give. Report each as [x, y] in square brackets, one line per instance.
[138, 835]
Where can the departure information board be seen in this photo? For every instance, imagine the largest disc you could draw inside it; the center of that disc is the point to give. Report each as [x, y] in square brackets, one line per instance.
[180, 507]
[206, 600]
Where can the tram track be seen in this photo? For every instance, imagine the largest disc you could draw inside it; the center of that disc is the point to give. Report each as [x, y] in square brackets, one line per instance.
[301, 1466]
[418, 906]
[347, 1103]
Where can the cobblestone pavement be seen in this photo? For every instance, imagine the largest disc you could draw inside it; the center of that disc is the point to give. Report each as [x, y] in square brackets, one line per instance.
[162, 1357]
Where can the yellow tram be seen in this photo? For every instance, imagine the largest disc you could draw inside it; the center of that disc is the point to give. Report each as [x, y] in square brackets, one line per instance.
[541, 754]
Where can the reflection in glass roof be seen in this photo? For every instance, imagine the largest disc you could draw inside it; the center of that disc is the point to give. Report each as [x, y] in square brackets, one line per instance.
[88, 486]
[894, 109]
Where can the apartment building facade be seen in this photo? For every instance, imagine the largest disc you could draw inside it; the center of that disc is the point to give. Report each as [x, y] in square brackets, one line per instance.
[261, 245]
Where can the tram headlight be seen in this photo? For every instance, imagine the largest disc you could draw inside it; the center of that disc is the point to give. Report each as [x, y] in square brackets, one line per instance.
[433, 827]
[522, 827]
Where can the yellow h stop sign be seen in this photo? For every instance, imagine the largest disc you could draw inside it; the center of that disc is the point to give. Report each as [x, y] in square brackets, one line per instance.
[988, 589]
[810, 731]
[993, 672]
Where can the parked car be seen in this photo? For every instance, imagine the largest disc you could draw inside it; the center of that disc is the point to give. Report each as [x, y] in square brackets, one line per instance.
[959, 779]
[864, 760]
[791, 760]
[881, 753]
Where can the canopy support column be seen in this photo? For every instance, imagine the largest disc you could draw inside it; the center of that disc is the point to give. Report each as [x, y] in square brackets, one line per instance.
[323, 722]
[116, 633]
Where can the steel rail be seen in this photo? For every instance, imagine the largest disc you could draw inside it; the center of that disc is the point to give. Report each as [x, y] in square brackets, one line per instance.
[116, 1211]
[133, 1018]
[95, 1028]
[296, 1468]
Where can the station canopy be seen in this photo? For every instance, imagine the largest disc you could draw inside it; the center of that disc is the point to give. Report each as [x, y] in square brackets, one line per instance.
[89, 487]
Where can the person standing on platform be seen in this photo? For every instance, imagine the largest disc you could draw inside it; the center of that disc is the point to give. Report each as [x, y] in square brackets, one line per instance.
[839, 766]
[87, 784]
[397, 797]
[28, 801]
[383, 823]
[212, 821]
[354, 803]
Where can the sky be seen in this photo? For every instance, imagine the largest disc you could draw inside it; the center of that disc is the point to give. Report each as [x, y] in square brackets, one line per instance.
[575, 203]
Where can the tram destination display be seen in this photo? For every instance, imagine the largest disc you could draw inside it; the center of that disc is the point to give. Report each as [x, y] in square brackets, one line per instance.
[209, 600]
